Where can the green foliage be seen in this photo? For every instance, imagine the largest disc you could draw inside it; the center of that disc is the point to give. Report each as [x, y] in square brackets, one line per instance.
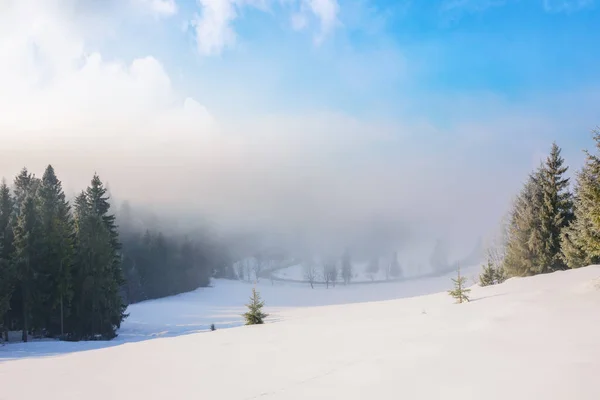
[460, 293]
[98, 306]
[581, 240]
[7, 274]
[255, 316]
[556, 211]
[55, 267]
[488, 275]
[491, 274]
[540, 215]
[158, 266]
[28, 253]
[61, 269]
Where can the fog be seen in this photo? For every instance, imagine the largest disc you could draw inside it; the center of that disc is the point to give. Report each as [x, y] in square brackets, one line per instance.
[317, 180]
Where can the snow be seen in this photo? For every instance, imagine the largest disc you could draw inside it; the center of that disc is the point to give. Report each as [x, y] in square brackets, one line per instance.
[528, 338]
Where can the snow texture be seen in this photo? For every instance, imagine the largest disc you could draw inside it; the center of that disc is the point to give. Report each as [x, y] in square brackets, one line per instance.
[529, 338]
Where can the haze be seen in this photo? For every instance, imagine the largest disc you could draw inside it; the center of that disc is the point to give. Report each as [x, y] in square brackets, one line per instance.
[321, 122]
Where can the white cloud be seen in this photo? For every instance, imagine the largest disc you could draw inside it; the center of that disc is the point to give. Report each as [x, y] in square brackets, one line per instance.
[158, 7]
[566, 5]
[213, 25]
[326, 12]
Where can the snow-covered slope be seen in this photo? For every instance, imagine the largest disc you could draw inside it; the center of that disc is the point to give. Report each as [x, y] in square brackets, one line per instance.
[525, 339]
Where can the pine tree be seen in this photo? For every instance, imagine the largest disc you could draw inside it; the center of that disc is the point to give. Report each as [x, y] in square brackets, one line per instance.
[98, 307]
[581, 240]
[524, 233]
[346, 267]
[58, 235]
[27, 256]
[556, 211]
[500, 275]
[395, 270]
[488, 276]
[255, 316]
[460, 293]
[7, 275]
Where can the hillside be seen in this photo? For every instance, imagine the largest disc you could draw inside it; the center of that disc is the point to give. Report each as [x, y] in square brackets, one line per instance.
[527, 338]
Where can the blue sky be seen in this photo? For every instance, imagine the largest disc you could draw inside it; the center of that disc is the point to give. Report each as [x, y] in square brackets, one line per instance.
[512, 49]
[383, 58]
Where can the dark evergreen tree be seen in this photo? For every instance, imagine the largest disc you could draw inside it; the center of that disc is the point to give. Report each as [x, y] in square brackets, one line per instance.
[26, 258]
[540, 215]
[555, 213]
[500, 275]
[488, 275]
[255, 316]
[55, 267]
[346, 267]
[395, 270]
[98, 307]
[24, 186]
[581, 240]
[7, 275]
[460, 293]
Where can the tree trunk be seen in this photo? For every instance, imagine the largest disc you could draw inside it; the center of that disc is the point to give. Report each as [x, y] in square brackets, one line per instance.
[62, 324]
[25, 328]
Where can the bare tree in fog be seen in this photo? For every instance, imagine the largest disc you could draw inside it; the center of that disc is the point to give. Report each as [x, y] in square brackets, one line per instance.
[259, 262]
[332, 271]
[346, 267]
[310, 271]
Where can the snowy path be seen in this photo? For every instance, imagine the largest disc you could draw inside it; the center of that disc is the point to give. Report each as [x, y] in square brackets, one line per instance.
[533, 338]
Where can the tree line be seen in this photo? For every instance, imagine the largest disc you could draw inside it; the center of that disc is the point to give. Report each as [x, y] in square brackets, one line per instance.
[67, 271]
[551, 227]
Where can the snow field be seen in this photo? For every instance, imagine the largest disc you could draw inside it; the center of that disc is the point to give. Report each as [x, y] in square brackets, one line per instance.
[528, 338]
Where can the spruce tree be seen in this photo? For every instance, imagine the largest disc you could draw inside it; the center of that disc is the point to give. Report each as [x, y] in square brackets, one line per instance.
[58, 235]
[26, 257]
[581, 240]
[460, 293]
[524, 232]
[499, 274]
[7, 276]
[556, 211]
[255, 316]
[488, 276]
[346, 267]
[98, 307]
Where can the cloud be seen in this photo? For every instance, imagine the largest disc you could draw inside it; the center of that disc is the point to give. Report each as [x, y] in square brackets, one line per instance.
[214, 29]
[158, 7]
[324, 173]
[326, 12]
[567, 6]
